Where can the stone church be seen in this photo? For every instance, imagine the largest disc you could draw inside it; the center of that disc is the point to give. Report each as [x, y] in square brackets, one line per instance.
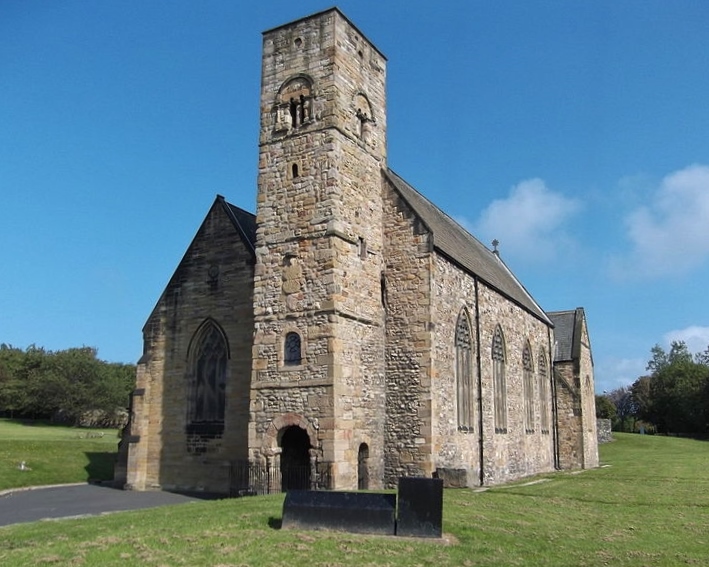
[350, 330]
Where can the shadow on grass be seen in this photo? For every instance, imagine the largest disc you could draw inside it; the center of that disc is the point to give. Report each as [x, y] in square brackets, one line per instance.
[100, 465]
[275, 523]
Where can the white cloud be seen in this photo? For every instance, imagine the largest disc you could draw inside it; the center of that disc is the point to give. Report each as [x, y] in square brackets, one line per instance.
[529, 222]
[669, 235]
[612, 373]
[696, 338]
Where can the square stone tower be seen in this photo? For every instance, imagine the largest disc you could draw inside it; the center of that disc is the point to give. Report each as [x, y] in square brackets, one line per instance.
[317, 385]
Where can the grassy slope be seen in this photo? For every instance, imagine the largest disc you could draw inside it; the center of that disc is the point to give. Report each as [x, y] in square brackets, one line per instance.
[54, 454]
[649, 507]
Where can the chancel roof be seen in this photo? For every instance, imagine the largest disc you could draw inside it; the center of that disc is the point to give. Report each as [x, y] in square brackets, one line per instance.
[567, 334]
[461, 247]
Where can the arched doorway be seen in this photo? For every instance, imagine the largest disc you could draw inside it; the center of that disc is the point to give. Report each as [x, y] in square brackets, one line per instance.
[295, 459]
[363, 467]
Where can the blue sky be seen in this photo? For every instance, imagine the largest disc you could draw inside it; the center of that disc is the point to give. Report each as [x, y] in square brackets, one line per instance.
[576, 133]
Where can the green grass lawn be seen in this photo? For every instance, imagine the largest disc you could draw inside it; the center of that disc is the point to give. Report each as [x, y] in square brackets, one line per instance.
[648, 507]
[54, 454]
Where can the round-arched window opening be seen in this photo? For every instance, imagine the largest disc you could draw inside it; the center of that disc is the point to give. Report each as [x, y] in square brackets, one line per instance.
[292, 349]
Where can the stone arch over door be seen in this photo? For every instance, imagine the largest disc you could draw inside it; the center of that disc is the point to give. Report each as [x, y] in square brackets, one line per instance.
[270, 443]
[291, 446]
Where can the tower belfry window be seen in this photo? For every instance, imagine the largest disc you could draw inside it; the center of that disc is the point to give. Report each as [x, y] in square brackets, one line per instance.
[293, 106]
[293, 113]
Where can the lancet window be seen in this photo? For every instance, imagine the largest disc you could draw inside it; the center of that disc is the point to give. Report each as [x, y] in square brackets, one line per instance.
[528, 386]
[499, 381]
[464, 373]
[544, 398]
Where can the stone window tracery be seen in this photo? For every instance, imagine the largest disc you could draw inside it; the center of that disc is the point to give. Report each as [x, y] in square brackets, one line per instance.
[292, 354]
[464, 373]
[543, 376]
[499, 381]
[208, 379]
[528, 386]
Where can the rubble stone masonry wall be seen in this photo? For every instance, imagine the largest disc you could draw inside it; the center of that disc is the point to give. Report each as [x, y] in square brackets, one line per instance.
[453, 292]
[516, 453]
[407, 296]
[569, 411]
[588, 403]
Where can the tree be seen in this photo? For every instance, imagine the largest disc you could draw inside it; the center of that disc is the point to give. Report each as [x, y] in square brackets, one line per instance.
[679, 353]
[605, 408]
[63, 385]
[702, 357]
[643, 399]
[678, 390]
[625, 406]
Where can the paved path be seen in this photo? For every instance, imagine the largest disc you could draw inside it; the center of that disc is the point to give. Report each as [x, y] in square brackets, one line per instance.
[77, 500]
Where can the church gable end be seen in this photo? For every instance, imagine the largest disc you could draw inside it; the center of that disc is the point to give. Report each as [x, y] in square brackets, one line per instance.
[192, 385]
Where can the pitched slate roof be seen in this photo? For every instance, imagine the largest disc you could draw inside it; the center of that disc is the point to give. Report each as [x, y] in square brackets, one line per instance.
[244, 222]
[457, 244]
[567, 334]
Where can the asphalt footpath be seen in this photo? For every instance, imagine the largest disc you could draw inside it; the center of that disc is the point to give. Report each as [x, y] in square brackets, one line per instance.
[67, 501]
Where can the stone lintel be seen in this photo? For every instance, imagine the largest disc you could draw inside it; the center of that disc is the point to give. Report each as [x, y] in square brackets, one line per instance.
[266, 385]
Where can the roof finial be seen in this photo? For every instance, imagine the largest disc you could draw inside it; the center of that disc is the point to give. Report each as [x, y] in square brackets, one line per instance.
[495, 244]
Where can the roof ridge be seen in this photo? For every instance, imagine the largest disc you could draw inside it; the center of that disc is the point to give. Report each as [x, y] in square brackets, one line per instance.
[459, 246]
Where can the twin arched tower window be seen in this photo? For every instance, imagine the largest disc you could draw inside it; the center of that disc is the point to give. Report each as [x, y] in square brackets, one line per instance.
[208, 375]
[294, 104]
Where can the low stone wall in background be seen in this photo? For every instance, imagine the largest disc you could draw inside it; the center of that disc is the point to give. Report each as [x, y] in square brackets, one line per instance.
[603, 426]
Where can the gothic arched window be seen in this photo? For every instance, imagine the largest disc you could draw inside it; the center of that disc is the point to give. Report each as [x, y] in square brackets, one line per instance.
[543, 377]
[528, 385]
[208, 376]
[464, 372]
[292, 353]
[499, 381]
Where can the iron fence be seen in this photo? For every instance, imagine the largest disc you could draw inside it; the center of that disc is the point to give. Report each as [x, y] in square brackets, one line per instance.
[251, 479]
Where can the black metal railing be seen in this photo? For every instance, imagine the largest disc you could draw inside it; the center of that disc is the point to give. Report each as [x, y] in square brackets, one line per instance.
[251, 479]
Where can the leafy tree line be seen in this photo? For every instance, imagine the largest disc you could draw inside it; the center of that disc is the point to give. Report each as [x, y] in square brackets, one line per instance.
[71, 385]
[672, 399]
